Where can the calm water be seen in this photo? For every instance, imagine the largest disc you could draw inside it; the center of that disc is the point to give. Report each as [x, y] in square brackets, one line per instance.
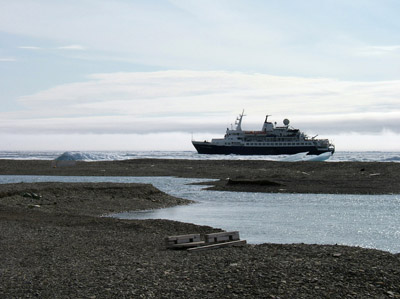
[358, 220]
[190, 155]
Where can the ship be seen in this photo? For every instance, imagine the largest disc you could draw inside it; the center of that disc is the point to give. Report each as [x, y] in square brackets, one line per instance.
[271, 140]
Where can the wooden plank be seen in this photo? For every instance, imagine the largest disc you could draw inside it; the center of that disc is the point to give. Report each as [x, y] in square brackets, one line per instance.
[181, 239]
[222, 237]
[218, 245]
[186, 245]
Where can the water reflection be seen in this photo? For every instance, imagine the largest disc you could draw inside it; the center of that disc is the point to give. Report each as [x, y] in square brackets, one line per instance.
[358, 220]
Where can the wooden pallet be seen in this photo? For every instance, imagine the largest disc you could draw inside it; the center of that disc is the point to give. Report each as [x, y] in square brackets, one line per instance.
[183, 241]
[222, 237]
[192, 242]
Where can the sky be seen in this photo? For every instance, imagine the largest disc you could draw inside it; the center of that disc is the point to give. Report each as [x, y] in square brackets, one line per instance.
[151, 75]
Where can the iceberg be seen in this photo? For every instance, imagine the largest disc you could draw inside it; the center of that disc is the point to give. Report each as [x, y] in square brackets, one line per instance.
[321, 157]
[90, 156]
[74, 156]
[295, 157]
[303, 157]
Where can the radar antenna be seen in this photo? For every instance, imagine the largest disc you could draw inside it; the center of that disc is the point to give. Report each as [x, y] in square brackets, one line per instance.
[286, 122]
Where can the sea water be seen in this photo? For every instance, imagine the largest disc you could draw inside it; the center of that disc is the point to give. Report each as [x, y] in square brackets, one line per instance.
[370, 221]
[190, 155]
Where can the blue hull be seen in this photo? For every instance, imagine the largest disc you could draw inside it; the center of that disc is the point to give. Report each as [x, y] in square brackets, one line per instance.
[210, 149]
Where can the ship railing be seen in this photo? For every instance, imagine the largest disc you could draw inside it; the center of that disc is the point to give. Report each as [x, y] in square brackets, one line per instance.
[255, 132]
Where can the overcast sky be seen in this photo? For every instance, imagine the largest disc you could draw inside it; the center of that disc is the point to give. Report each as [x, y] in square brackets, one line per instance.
[149, 75]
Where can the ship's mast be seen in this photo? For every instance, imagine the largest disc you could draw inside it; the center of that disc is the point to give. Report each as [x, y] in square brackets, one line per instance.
[238, 121]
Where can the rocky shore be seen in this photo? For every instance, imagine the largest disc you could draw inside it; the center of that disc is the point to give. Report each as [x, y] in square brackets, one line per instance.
[289, 177]
[55, 244]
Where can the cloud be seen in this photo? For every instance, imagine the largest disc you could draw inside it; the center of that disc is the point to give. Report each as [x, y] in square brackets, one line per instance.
[30, 48]
[381, 141]
[379, 50]
[68, 47]
[72, 47]
[7, 59]
[278, 38]
[194, 101]
[94, 142]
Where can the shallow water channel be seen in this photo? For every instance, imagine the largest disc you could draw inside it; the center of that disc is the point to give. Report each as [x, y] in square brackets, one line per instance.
[370, 221]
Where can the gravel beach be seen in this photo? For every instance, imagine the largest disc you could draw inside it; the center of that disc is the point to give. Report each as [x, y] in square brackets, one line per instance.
[288, 177]
[56, 244]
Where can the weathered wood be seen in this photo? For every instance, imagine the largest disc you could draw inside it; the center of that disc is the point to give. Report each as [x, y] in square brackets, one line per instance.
[214, 240]
[181, 239]
[218, 245]
[222, 237]
[186, 245]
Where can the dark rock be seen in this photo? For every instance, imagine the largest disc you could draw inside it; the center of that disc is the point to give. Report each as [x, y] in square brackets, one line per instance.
[252, 182]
